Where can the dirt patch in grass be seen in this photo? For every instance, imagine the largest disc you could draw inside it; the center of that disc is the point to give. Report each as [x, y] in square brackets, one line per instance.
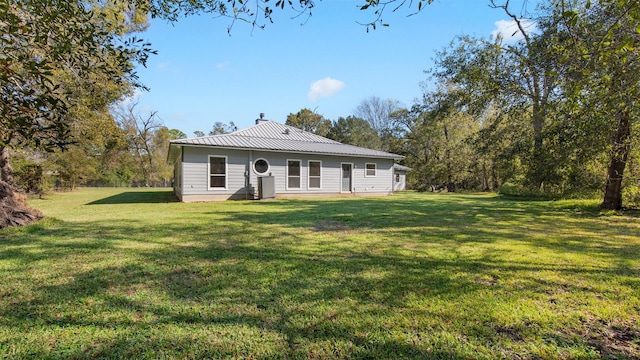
[615, 340]
[330, 225]
[510, 332]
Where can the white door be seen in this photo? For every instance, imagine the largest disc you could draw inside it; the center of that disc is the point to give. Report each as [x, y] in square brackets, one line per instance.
[346, 177]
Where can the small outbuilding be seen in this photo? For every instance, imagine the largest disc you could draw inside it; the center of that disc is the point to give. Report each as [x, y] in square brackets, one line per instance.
[400, 177]
[273, 160]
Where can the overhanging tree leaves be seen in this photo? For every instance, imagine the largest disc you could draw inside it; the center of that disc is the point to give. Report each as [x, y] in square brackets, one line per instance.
[259, 13]
[40, 40]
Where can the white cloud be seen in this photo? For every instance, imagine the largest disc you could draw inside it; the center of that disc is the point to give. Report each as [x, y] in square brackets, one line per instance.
[509, 31]
[324, 88]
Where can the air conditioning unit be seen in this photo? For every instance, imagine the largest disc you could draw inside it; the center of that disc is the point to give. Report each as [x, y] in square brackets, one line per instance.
[266, 187]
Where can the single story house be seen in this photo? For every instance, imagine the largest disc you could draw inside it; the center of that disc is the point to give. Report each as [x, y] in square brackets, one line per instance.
[272, 160]
[400, 177]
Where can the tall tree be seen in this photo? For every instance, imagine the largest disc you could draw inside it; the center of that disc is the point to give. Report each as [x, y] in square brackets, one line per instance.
[141, 135]
[603, 52]
[379, 114]
[42, 41]
[159, 149]
[308, 120]
[354, 131]
[175, 134]
[519, 78]
[438, 144]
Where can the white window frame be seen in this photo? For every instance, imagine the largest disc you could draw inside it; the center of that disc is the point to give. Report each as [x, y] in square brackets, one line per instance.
[309, 175]
[287, 175]
[268, 166]
[366, 170]
[226, 172]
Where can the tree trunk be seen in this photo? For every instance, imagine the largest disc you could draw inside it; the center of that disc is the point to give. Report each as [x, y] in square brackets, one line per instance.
[495, 183]
[14, 210]
[620, 153]
[537, 171]
[6, 171]
[485, 177]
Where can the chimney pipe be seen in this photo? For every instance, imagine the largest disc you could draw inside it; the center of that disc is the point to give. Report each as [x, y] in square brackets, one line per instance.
[261, 120]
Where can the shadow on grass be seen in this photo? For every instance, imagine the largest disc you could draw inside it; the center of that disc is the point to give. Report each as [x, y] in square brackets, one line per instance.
[138, 197]
[361, 278]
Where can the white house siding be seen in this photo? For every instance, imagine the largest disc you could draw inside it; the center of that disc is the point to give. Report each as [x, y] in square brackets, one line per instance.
[177, 177]
[330, 173]
[195, 174]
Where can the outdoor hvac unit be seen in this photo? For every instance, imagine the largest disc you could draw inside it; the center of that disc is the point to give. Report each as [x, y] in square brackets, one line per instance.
[266, 187]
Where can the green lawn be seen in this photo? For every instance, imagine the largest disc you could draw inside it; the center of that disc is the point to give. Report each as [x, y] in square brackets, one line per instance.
[123, 273]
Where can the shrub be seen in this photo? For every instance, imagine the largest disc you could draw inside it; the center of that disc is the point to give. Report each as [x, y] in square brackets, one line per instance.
[631, 195]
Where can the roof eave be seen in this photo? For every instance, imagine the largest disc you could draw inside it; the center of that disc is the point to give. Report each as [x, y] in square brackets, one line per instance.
[392, 156]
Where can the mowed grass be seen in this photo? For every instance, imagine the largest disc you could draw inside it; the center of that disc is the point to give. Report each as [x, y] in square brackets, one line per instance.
[123, 273]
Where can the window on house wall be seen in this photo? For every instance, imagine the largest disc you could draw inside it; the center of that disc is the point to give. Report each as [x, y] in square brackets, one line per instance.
[217, 172]
[397, 178]
[370, 169]
[261, 166]
[293, 174]
[315, 174]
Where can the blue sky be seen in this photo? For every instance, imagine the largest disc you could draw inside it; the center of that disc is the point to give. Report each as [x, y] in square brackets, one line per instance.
[328, 64]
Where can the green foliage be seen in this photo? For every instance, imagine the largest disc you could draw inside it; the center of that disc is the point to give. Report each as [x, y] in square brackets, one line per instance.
[176, 134]
[440, 145]
[353, 131]
[631, 194]
[307, 120]
[556, 110]
[44, 38]
[29, 175]
[603, 82]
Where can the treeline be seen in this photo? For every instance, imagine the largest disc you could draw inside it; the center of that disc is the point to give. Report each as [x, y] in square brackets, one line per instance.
[552, 114]
[121, 148]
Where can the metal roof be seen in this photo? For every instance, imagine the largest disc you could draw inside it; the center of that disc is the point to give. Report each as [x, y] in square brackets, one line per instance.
[401, 167]
[273, 136]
